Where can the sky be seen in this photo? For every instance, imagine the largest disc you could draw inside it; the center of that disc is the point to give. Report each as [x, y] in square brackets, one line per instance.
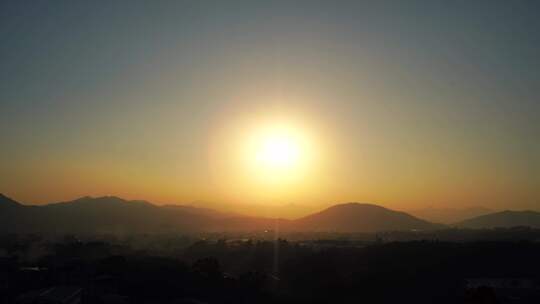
[406, 104]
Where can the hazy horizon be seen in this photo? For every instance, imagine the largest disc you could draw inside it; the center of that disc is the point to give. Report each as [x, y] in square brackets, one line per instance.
[250, 105]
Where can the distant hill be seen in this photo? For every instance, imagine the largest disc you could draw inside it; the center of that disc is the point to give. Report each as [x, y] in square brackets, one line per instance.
[356, 217]
[503, 219]
[286, 210]
[201, 211]
[449, 215]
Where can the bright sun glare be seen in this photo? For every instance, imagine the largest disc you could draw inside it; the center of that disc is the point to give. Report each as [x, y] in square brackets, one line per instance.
[278, 151]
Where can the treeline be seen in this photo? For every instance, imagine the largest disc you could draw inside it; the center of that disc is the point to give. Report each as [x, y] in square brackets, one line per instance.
[183, 270]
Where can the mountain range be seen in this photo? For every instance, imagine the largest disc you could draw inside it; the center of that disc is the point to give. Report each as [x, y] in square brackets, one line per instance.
[109, 214]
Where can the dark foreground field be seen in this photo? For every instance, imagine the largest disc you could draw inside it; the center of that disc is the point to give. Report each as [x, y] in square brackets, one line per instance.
[177, 269]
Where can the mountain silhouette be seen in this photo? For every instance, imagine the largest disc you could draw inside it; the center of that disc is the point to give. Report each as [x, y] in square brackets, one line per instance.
[6, 202]
[505, 218]
[356, 217]
[114, 215]
[201, 211]
[449, 215]
[106, 214]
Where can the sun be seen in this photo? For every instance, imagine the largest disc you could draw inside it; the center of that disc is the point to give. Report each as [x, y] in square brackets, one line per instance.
[267, 158]
[277, 151]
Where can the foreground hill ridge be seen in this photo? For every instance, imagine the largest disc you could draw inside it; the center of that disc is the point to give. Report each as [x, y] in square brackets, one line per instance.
[112, 214]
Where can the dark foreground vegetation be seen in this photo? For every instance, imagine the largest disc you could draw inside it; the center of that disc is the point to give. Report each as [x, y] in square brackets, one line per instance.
[178, 269]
